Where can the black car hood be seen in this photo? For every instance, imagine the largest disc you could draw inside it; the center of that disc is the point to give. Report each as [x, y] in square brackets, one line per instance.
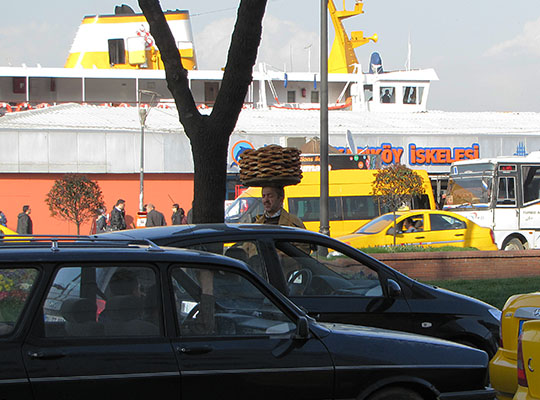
[381, 346]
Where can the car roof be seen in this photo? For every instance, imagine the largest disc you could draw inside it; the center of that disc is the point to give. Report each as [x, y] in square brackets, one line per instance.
[419, 211]
[107, 251]
[196, 230]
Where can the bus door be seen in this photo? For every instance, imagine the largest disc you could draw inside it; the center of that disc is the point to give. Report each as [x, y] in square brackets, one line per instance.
[506, 211]
[529, 216]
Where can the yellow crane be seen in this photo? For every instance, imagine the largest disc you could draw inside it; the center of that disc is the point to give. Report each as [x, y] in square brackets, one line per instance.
[342, 57]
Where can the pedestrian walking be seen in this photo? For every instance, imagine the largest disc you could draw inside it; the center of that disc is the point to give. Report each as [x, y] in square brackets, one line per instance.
[102, 223]
[154, 217]
[24, 222]
[3, 219]
[178, 216]
[118, 216]
[190, 213]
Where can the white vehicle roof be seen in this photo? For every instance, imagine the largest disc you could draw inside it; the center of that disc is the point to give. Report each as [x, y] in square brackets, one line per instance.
[534, 156]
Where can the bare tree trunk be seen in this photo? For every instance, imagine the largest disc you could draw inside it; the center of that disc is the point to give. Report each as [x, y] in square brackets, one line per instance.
[209, 135]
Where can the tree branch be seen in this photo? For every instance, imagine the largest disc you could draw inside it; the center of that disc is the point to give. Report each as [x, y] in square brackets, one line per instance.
[241, 58]
[177, 80]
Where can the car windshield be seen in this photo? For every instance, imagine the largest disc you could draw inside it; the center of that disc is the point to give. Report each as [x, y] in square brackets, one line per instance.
[244, 209]
[376, 225]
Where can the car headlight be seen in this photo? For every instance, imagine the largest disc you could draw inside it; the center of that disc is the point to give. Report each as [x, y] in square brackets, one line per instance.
[495, 313]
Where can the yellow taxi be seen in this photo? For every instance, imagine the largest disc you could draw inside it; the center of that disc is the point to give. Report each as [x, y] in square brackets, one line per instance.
[503, 366]
[8, 232]
[432, 228]
[528, 364]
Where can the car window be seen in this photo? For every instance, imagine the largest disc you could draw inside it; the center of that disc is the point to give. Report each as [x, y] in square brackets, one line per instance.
[315, 270]
[246, 251]
[15, 287]
[222, 303]
[414, 223]
[103, 301]
[441, 222]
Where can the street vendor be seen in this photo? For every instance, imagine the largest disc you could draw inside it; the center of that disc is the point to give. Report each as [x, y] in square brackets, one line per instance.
[272, 199]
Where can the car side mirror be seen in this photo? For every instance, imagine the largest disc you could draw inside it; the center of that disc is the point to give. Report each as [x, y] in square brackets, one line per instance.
[302, 329]
[394, 290]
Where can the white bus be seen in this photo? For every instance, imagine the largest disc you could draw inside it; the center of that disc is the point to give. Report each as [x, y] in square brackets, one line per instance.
[501, 193]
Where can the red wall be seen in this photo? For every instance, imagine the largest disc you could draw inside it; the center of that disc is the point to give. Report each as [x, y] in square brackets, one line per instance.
[453, 265]
[160, 189]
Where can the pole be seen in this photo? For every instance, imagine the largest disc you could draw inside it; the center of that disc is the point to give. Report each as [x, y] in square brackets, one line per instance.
[141, 176]
[143, 114]
[325, 224]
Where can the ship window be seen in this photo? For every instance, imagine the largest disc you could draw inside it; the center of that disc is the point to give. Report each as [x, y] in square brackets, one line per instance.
[388, 94]
[314, 96]
[368, 92]
[420, 94]
[117, 51]
[291, 96]
[409, 95]
[211, 90]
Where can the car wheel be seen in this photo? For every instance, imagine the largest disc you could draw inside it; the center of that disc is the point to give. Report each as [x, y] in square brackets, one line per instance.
[395, 393]
[513, 244]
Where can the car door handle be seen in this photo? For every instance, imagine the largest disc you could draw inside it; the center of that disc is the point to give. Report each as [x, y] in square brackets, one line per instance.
[459, 234]
[46, 355]
[195, 350]
[419, 237]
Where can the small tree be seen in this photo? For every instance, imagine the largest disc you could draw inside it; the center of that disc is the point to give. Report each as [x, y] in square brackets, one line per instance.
[395, 185]
[74, 198]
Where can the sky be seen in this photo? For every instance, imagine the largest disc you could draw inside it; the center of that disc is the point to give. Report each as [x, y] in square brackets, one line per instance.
[485, 52]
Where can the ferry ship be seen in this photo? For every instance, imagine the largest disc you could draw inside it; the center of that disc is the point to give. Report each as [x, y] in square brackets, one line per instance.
[114, 57]
[84, 118]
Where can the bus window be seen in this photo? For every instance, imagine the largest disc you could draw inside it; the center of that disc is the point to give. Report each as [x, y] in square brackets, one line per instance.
[359, 207]
[507, 191]
[421, 202]
[531, 183]
[307, 208]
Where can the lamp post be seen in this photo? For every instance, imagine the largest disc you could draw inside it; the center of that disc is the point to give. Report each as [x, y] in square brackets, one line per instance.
[143, 114]
[325, 223]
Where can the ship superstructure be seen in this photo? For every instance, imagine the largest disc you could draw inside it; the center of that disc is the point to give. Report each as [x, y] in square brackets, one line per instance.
[114, 57]
[123, 41]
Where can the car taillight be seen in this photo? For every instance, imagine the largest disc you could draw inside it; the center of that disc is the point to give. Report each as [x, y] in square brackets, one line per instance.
[492, 235]
[522, 377]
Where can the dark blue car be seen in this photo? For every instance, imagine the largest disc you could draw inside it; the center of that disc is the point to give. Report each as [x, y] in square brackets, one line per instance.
[335, 283]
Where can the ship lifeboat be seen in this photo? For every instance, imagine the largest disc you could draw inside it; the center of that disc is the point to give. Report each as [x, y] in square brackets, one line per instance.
[5, 108]
[23, 106]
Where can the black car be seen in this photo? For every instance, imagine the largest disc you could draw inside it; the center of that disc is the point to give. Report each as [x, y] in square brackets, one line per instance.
[114, 321]
[335, 283]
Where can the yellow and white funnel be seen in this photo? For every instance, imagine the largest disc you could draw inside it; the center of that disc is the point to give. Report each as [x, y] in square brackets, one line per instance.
[123, 41]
